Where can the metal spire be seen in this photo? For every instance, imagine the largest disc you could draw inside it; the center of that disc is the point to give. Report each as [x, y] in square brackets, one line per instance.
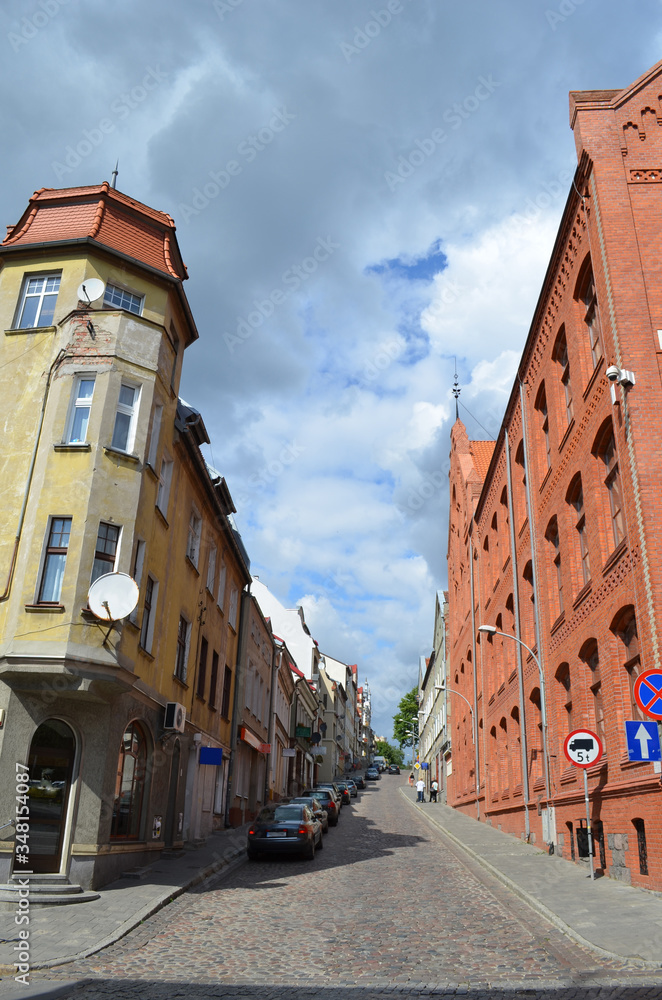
[456, 393]
[113, 183]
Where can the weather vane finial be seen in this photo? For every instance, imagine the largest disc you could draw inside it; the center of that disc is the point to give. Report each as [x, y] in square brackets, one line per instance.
[456, 393]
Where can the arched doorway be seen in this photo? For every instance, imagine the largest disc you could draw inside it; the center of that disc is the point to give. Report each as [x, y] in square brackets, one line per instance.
[51, 764]
[130, 785]
[171, 825]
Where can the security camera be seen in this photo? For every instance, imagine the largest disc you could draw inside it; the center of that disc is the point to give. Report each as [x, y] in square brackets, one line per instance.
[613, 373]
[197, 737]
[621, 375]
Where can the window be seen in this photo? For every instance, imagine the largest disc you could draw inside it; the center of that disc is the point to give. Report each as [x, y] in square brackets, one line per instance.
[565, 696]
[175, 346]
[592, 317]
[105, 554]
[56, 555]
[560, 355]
[220, 600]
[642, 848]
[202, 669]
[232, 616]
[149, 614]
[625, 628]
[213, 683]
[227, 687]
[541, 406]
[606, 450]
[38, 300]
[130, 785]
[119, 299]
[193, 541]
[183, 636]
[163, 492]
[589, 654]
[211, 569]
[154, 437]
[80, 410]
[552, 535]
[125, 417]
[575, 497]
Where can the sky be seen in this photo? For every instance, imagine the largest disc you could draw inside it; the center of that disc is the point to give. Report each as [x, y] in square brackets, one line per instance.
[366, 195]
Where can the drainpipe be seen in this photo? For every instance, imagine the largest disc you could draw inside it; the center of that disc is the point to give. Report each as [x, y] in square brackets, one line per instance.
[246, 598]
[475, 666]
[534, 567]
[520, 675]
[21, 520]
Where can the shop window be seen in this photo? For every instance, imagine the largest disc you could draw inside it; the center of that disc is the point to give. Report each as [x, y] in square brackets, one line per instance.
[130, 785]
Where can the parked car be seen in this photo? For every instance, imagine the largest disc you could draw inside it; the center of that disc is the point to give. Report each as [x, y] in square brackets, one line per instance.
[351, 784]
[393, 769]
[328, 800]
[359, 781]
[372, 774]
[345, 792]
[334, 788]
[318, 810]
[284, 828]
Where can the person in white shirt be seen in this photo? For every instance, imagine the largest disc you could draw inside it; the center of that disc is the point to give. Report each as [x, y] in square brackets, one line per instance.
[434, 788]
[420, 788]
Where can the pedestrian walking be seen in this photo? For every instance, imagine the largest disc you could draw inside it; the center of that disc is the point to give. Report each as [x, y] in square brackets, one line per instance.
[411, 779]
[420, 788]
[434, 788]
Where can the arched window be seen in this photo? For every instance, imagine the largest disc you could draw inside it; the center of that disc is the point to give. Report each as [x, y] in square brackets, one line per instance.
[642, 848]
[516, 746]
[560, 355]
[565, 696]
[536, 748]
[575, 497]
[624, 627]
[130, 784]
[605, 449]
[591, 315]
[589, 654]
[495, 529]
[552, 536]
[541, 407]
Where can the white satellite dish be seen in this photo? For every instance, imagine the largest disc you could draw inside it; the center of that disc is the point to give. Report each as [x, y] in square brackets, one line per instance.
[90, 290]
[113, 596]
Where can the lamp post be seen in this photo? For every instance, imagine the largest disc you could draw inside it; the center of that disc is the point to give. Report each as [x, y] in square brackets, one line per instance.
[474, 737]
[493, 630]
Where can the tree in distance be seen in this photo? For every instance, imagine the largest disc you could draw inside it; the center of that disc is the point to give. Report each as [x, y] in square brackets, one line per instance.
[406, 719]
[393, 755]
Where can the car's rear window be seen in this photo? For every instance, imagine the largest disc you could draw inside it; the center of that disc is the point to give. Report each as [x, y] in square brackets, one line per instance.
[281, 814]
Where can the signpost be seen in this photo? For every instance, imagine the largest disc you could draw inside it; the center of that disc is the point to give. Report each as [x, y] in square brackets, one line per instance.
[583, 748]
[643, 740]
[648, 693]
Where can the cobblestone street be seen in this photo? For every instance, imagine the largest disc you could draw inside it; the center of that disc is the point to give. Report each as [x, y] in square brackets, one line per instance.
[388, 905]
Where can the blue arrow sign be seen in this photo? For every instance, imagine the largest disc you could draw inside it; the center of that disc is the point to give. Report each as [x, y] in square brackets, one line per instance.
[643, 740]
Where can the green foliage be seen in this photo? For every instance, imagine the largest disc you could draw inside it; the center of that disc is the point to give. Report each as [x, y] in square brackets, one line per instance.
[393, 755]
[406, 719]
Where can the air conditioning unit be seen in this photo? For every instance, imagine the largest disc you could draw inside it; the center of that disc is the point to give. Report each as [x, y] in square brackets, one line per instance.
[175, 716]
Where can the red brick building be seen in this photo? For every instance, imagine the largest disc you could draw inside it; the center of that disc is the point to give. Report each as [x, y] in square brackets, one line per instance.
[556, 527]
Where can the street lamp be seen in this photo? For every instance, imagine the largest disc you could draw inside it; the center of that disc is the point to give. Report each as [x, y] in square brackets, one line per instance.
[474, 737]
[493, 630]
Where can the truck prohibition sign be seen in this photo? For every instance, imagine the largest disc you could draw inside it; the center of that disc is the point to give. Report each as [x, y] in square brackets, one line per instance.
[583, 748]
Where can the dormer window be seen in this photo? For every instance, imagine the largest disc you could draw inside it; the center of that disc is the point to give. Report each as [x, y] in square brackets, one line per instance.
[118, 298]
[38, 299]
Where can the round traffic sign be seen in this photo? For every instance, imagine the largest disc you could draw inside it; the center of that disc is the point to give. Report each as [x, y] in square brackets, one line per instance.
[583, 748]
[648, 693]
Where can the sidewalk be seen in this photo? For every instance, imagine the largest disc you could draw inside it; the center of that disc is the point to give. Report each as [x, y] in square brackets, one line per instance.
[63, 933]
[611, 918]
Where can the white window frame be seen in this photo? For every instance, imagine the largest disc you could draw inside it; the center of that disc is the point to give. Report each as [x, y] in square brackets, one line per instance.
[155, 434]
[165, 481]
[127, 410]
[79, 402]
[112, 567]
[186, 648]
[194, 538]
[41, 295]
[211, 569]
[232, 613]
[127, 299]
[45, 557]
[147, 634]
[222, 577]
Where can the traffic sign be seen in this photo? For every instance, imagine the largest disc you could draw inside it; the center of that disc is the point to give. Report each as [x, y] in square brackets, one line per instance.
[583, 748]
[417, 766]
[643, 740]
[648, 693]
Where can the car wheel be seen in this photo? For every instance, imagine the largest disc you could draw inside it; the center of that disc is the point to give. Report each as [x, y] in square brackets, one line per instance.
[321, 842]
[310, 853]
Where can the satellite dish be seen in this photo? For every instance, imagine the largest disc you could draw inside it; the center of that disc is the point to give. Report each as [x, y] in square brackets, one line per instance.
[90, 290]
[113, 596]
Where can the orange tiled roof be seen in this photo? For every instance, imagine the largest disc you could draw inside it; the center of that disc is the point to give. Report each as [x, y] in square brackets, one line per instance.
[105, 215]
[481, 452]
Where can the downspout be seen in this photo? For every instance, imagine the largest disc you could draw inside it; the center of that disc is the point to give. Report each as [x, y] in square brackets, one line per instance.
[21, 520]
[246, 598]
[475, 678]
[520, 675]
[534, 568]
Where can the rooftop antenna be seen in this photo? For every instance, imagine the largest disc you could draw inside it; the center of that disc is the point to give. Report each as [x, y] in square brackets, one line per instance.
[113, 183]
[456, 393]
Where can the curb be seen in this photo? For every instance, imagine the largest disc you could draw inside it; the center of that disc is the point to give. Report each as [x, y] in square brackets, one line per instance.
[137, 918]
[532, 901]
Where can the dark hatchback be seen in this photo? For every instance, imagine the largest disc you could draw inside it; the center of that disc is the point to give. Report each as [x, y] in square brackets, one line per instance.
[328, 800]
[290, 828]
[315, 806]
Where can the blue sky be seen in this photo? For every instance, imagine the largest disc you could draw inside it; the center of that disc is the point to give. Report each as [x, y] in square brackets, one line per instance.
[391, 177]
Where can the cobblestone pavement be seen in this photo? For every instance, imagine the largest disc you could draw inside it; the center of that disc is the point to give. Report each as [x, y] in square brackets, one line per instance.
[389, 906]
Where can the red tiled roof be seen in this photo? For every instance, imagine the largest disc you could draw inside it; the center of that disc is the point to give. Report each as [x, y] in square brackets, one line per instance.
[105, 215]
[481, 452]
